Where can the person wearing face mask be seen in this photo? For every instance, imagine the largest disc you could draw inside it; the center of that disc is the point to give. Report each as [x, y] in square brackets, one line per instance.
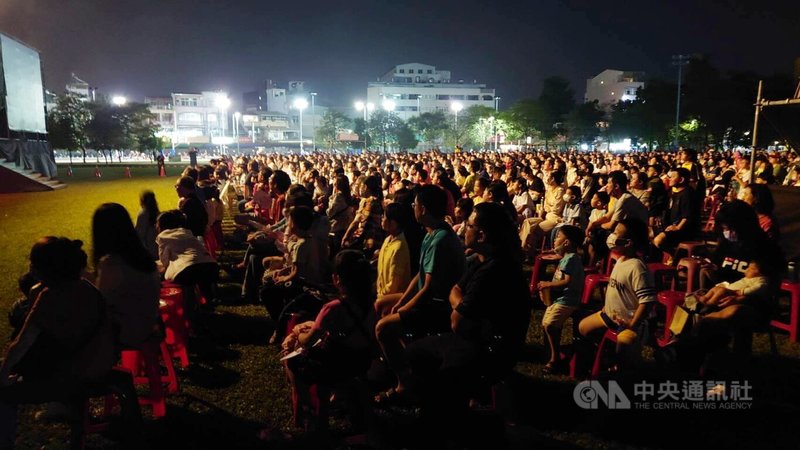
[684, 213]
[567, 286]
[626, 206]
[631, 292]
[740, 240]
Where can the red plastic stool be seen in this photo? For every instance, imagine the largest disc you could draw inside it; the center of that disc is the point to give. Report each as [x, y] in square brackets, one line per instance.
[692, 267]
[671, 300]
[610, 337]
[663, 274]
[794, 311]
[540, 264]
[590, 283]
[613, 257]
[146, 369]
[690, 247]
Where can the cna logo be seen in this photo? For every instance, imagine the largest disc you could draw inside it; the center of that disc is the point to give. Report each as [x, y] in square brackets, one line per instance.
[591, 393]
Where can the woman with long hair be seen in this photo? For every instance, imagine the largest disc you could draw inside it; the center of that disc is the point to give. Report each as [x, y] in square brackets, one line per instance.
[126, 275]
[346, 326]
[65, 342]
[146, 222]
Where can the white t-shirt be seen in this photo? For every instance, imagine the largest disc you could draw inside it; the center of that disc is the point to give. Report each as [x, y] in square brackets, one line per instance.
[629, 285]
[749, 286]
[629, 207]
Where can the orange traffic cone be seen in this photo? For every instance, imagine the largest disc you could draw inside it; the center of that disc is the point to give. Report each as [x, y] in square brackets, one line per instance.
[127, 172]
[162, 172]
[97, 173]
[69, 171]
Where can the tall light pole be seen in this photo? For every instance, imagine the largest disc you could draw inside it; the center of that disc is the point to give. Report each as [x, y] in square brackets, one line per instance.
[119, 100]
[300, 104]
[388, 106]
[222, 102]
[419, 110]
[236, 117]
[313, 123]
[456, 107]
[366, 108]
[680, 61]
[496, 107]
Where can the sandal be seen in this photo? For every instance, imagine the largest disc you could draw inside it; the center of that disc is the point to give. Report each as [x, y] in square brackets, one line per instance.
[553, 368]
[393, 397]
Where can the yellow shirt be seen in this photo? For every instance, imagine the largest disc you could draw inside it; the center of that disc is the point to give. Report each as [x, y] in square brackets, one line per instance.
[394, 265]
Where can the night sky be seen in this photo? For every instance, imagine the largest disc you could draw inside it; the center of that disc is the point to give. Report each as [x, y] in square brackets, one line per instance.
[154, 47]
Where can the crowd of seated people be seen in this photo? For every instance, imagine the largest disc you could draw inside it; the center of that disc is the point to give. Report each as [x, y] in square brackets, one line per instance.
[435, 243]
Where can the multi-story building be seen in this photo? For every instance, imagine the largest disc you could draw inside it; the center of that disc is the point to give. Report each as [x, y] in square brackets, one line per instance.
[80, 88]
[192, 118]
[416, 88]
[611, 86]
[270, 114]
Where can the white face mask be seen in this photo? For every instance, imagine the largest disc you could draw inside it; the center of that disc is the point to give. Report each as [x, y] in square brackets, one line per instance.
[567, 198]
[611, 241]
[730, 235]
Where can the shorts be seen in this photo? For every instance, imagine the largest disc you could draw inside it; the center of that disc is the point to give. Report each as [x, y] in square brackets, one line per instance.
[673, 238]
[431, 317]
[556, 314]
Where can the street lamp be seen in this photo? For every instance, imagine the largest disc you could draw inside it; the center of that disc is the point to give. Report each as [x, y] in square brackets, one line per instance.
[222, 102]
[236, 117]
[496, 105]
[313, 123]
[119, 100]
[366, 107]
[388, 106]
[456, 107]
[300, 104]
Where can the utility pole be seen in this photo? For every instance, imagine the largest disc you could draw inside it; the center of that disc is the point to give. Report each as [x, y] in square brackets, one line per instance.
[761, 103]
[680, 61]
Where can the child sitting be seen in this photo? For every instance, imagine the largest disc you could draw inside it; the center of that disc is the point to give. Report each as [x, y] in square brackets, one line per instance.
[599, 205]
[720, 296]
[30, 288]
[567, 286]
[301, 263]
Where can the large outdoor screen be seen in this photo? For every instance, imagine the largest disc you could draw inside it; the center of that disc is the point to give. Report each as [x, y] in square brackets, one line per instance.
[22, 74]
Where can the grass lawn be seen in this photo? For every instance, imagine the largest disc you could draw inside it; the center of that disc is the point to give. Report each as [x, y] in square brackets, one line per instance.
[235, 383]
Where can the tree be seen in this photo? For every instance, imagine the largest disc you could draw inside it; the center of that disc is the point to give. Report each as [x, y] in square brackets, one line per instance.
[405, 137]
[429, 126]
[386, 125]
[526, 118]
[333, 122]
[556, 100]
[140, 126]
[361, 128]
[106, 130]
[67, 124]
[582, 122]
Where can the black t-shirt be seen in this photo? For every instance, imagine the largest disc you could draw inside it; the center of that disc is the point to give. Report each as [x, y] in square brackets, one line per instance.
[683, 207]
[495, 297]
[196, 215]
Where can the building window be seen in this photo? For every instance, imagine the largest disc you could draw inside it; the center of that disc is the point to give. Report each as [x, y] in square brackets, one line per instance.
[402, 70]
[419, 70]
[487, 98]
[442, 97]
[430, 71]
[473, 97]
